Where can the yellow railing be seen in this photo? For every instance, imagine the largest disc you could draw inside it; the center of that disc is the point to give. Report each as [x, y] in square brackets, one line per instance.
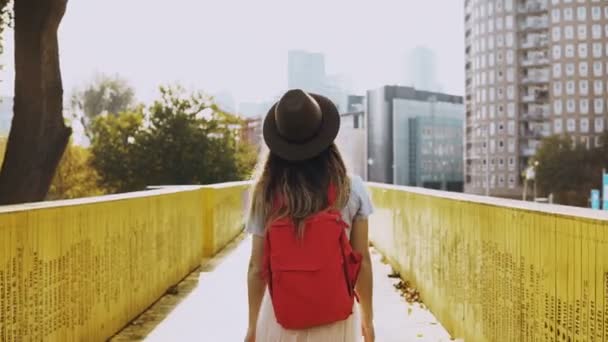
[498, 270]
[80, 270]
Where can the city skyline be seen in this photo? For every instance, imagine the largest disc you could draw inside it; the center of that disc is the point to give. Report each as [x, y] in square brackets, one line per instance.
[198, 46]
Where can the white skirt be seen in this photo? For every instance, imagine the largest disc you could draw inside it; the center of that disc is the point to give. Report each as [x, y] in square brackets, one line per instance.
[269, 330]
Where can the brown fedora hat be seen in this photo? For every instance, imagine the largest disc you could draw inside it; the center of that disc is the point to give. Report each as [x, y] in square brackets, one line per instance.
[301, 125]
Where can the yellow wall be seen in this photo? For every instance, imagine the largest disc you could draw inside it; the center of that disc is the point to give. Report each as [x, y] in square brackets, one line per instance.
[81, 270]
[498, 270]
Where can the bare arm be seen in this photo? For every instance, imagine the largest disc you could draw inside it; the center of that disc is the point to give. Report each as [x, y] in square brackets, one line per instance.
[255, 283]
[364, 286]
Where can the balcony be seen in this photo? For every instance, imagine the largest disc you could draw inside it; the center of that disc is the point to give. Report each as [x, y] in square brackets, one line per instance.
[93, 269]
[528, 151]
[535, 79]
[532, 8]
[535, 115]
[534, 25]
[531, 134]
[531, 44]
[535, 62]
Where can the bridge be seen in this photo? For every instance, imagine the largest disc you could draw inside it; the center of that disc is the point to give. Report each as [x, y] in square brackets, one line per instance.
[168, 264]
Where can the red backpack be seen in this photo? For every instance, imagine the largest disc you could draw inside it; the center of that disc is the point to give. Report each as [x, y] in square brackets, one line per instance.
[311, 278]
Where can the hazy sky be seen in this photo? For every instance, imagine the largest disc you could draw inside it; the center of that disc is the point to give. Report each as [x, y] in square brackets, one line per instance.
[241, 45]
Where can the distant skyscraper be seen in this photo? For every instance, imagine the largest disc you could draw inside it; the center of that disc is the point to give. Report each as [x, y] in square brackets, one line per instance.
[414, 138]
[306, 70]
[420, 70]
[336, 88]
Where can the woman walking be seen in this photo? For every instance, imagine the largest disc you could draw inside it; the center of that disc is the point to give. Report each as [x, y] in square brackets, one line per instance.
[310, 275]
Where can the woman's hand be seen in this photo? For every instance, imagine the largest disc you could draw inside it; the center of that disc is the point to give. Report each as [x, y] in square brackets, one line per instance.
[367, 327]
[250, 337]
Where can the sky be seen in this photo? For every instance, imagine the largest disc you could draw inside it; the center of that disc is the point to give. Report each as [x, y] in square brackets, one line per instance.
[241, 46]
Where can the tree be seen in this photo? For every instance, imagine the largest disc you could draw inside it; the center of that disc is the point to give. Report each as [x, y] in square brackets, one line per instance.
[114, 154]
[38, 133]
[106, 94]
[75, 176]
[180, 139]
[569, 171]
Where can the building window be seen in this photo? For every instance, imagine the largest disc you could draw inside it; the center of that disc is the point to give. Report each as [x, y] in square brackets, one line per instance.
[511, 146]
[508, 5]
[569, 69]
[491, 93]
[556, 33]
[596, 13]
[597, 50]
[557, 52]
[570, 106]
[510, 74]
[569, 32]
[582, 32]
[509, 25]
[555, 15]
[569, 53]
[571, 125]
[598, 87]
[584, 106]
[501, 127]
[596, 31]
[511, 109]
[557, 126]
[499, 23]
[557, 70]
[557, 107]
[511, 127]
[582, 50]
[581, 13]
[584, 125]
[583, 68]
[570, 87]
[491, 59]
[599, 125]
[557, 88]
[583, 87]
[510, 92]
[597, 68]
[568, 14]
[598, 106]
[510, 57]
[511, 179]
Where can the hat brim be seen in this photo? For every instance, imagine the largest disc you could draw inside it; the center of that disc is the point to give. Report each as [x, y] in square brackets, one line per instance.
[328, 131]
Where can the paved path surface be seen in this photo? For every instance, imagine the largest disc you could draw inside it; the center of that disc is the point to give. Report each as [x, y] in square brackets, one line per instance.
[211, 306]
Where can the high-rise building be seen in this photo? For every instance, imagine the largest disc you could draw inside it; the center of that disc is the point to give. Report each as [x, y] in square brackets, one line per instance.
[414, 138]
[355, 103]
[534, 68]
[351, 142]
[306, 70]
[420, 69]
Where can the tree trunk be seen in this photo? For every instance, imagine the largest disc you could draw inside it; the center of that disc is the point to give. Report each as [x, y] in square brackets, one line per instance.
[38, 133]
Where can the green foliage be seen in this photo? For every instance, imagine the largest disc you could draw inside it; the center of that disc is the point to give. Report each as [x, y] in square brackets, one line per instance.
[180, 139]
[568, 171]
[75, 177]
[106, 94]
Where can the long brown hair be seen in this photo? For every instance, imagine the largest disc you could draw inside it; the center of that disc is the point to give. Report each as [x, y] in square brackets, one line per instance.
[301, 185]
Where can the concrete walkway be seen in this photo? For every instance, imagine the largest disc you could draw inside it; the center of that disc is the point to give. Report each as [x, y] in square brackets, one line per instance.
[212, 306]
